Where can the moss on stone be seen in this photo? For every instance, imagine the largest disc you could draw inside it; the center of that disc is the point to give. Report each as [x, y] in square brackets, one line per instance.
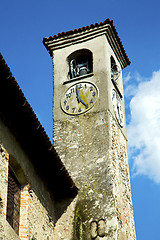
[78, 226]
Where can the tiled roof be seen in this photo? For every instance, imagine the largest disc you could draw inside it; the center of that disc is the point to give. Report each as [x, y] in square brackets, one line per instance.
[83, 29]
[18, 115]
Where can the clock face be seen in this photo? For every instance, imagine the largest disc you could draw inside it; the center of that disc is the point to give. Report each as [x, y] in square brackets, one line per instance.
[117, 107]
[79, 98]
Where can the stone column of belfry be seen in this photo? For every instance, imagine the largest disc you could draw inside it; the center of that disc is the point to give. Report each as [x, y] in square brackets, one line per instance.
[90, 129]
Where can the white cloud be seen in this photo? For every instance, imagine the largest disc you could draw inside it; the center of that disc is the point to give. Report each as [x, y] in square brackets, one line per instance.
[127, 78]
[131, 82]
[144, 128]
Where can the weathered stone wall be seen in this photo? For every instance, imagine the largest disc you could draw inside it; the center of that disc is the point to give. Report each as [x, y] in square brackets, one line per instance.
[6, 232]
[37, 208]
[121, 179]
[98, 164]
[4, 159]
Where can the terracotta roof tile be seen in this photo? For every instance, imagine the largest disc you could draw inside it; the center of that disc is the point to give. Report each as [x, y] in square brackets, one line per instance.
[92, 26]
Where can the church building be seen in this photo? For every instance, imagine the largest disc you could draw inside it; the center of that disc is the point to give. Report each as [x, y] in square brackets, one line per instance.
[79, 187]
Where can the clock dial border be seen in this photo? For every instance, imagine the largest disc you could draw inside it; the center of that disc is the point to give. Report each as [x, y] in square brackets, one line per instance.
[117, 107]
[79, 100]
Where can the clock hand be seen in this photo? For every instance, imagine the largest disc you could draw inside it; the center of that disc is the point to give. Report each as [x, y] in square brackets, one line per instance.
[118, 108]
[77, 94]
[86, 105]
[79, 98]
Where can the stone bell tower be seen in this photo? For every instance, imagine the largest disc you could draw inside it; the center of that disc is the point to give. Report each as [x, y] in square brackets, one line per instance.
[90, 128]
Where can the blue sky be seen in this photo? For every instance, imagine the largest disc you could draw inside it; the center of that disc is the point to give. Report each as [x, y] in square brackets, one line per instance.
[23, 26]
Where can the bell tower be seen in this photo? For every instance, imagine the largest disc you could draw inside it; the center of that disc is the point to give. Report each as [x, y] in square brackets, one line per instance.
[90, 129]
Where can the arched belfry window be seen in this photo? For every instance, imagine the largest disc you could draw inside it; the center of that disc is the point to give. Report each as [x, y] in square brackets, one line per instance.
[115, 70]
[80, 63]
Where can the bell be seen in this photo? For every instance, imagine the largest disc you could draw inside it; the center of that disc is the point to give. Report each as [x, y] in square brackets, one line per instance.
[82, 71]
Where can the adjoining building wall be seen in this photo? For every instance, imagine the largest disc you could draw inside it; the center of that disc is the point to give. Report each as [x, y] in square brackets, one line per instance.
[37, 208]
[35, 188]
[64, 227]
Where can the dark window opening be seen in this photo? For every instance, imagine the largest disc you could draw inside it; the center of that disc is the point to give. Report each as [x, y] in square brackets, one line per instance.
[113, 67]
[13, 200]
[80, 63]
[115, 71]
